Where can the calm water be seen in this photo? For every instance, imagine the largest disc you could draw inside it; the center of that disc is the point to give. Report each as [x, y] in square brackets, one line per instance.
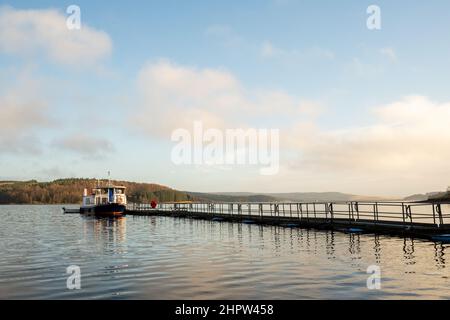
[168, 258]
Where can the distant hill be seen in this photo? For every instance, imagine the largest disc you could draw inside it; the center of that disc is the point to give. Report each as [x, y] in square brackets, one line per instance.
[440, 196]
[426, 196]
[65, 191]
[324, 196]
[416, 197]
[69, 191]
[279, 197]
[244, 197]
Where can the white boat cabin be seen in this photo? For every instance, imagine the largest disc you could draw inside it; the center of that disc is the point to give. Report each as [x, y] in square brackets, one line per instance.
[105, 195]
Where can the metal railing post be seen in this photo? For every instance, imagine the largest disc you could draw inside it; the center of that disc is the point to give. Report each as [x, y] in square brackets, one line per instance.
[439, 212]
[357, 211]
[403, 212]
[331, 212]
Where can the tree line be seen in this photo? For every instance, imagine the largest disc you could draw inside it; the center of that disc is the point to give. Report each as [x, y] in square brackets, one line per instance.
[70, 191]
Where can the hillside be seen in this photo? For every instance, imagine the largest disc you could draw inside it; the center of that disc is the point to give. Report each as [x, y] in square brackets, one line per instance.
[436, 196]
[280, 197]
[244, 197]
[440, 197]
[323, 196]
[69, 191]
[65, 191]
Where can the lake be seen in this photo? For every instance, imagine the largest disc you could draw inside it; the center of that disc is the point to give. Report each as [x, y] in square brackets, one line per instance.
[172, 258]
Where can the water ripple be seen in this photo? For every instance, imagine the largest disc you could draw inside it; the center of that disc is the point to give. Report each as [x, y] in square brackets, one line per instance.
[168, 258]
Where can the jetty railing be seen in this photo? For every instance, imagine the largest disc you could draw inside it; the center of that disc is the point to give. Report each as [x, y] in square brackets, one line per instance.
[407, 213]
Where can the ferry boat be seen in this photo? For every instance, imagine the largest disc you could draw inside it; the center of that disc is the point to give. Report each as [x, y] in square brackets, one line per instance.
[109, 201]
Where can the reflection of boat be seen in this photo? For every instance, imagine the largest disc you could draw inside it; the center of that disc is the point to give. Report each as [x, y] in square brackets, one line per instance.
[104, 229]
[107, 201]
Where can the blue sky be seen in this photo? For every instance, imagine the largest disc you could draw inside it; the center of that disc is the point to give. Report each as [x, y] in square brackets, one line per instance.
[361, 138]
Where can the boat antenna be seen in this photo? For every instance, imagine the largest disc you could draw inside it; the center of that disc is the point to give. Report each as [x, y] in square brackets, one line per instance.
[109, 178]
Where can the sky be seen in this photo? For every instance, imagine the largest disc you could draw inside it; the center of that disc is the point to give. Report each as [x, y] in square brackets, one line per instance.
[358, 110]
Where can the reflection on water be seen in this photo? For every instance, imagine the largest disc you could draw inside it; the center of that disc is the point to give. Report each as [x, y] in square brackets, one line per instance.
[168, 258]
[329, 240]
[408, 250]
[112, 231]
[439, 255]
[377, 249]
[354, 246]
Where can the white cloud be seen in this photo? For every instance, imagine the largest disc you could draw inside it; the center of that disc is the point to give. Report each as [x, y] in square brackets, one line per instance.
[364, 69]
[19, 113]
[175, 96]
[311, 108]
[44, 32]
[407, 142]
[389, 53]
[409, 138]
[269, 50]
[23, 112]
[87, 145]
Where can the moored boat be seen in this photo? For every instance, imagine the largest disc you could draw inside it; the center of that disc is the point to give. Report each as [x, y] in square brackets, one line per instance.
[109, 201]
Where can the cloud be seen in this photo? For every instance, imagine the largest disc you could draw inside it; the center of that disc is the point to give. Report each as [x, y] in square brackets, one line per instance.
[86, 145]
[364, 69]
[23, 112]
[174, 96]
[311, 108]
[389, 53]
[53, 172]
[268, 50]
[18, 113]
[44, 32]
[409, 137]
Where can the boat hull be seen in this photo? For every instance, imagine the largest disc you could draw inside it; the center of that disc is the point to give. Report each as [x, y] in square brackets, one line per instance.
[105, 210]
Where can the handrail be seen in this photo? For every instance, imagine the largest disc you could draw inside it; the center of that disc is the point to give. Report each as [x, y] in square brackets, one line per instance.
[377, 211]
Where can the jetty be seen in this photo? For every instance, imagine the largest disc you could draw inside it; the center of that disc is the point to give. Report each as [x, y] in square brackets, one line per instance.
[430, 220]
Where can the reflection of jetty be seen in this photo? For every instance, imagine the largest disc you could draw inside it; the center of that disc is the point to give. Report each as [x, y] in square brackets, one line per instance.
[425, 220]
